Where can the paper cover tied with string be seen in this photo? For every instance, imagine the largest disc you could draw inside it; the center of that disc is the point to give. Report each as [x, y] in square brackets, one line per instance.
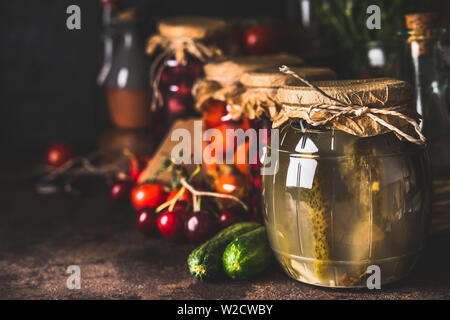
[362, 108]
[260, 86]
[180, 38]
[221, 81]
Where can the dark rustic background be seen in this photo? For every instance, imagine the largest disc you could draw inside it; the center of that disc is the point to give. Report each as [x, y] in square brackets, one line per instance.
[47, 72]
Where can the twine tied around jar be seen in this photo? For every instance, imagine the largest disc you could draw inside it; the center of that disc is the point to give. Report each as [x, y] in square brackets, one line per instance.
[322, 114]
[180, 48]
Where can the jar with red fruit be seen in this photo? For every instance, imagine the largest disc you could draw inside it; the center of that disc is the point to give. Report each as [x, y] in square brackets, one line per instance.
[178, 52]
[258, 103]
[214, 98]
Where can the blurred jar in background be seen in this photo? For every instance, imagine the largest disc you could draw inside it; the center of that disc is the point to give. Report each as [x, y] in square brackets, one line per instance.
[215, 98]
[430, 79]
[178, 52]
[127, 81]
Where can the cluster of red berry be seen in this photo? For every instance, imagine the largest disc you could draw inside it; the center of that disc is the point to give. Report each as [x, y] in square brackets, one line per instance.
[178, 222]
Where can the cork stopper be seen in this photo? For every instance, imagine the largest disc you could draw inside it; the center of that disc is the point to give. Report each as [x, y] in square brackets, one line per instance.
[423, 30]
[191, 27]
[422, 21]
[273, 78]
[127, 15]
[231, 69]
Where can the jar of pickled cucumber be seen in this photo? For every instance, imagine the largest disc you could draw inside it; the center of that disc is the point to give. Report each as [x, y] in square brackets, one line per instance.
[257, 101]
[178, 52]
[348, 185]
[215, 99]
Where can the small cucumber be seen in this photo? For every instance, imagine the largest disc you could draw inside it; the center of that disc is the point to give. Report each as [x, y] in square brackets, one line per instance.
[205, 261]
[248, 255]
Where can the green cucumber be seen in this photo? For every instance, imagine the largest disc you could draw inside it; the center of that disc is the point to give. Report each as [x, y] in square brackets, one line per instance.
[248, 255]
[205, 261]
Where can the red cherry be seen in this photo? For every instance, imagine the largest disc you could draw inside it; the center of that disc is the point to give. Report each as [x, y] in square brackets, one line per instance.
[170, 224]
[137, 166]
[58, 154]
[262, 39]
[120, 190]
[199, 227]
[256, 218]
[165, 77]
[255, 203]
[146, 221]
[181, 211]
[185, 197]
[195, 69]
[148, 195]
[228, 217]
[177, 106]
[181, 90]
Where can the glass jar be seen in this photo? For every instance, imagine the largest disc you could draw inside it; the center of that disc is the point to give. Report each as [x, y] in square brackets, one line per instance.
[225, 178]
[178, 51]
[175, 86]
[338, 203]
[215, 96]
[127, 80]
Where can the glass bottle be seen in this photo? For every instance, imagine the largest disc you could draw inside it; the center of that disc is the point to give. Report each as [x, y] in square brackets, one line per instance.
[127, 82]
[431, 84]
[108, 7]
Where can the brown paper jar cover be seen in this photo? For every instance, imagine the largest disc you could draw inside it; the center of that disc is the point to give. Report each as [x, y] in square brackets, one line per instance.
[231, 69]
[381, 93]
[191, 27]
[260, 86]
[221, 80]
[273, 78]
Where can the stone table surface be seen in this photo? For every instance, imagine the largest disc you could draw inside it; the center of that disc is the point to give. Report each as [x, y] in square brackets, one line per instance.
[40, 236]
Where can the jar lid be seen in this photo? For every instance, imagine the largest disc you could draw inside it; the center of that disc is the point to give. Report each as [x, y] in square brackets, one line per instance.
[273, 78]
[369, 92]
[258, 95]
[191, 27]
[231, 69]
[363, 108]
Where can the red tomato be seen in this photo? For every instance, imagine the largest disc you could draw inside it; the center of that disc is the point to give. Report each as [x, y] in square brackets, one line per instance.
[58, 154]
[262, 39]
[148, 195]
[228, 183]
[185, 197]
[242, 166]
[214, 113]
